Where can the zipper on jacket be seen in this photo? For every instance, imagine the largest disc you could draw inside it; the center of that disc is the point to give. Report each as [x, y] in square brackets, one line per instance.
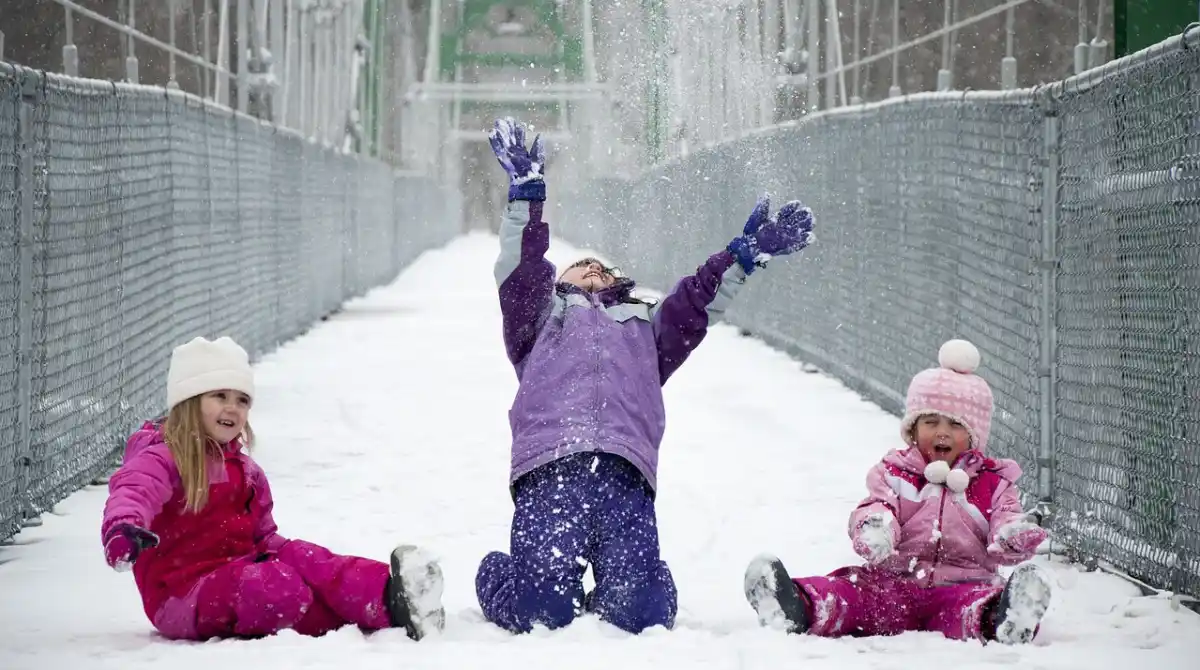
[937, 550]
[596, 338]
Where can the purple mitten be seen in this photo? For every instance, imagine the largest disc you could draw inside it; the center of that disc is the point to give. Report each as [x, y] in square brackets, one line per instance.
[124, 542]
[787, 232]
[763, 236]
[524, 167]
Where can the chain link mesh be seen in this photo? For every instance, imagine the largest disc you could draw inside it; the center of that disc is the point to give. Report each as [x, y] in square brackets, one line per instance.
[931, 214]
[11, 483]
[156, 218]
[1128, 449]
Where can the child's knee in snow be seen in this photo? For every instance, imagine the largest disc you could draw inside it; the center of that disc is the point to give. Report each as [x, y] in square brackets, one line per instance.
[634, 607]
[559, 614]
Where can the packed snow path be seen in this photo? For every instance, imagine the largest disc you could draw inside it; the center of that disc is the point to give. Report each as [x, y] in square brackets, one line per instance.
[387, 424]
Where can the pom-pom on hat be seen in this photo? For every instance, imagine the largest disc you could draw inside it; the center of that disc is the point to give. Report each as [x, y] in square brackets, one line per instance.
[201, 365]
[939, 472]
[952, 390]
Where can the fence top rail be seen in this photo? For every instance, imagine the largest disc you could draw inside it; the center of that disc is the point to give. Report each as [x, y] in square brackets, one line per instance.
[40, 80]
[83, 85]
[1188, 40]
[1021, 97]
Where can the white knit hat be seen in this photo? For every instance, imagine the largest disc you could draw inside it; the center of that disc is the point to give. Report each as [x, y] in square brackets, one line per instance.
[202, 365]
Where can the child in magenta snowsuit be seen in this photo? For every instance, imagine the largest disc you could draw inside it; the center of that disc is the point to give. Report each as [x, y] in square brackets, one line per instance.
[191, 512]
[940, 517]
[588, 416]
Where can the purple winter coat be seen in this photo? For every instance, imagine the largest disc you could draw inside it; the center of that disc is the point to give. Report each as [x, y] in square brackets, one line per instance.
[591, 365]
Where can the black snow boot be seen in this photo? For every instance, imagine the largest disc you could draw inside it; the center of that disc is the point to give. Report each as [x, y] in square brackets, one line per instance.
[774, 596]
[1014, 616]
[414, 592]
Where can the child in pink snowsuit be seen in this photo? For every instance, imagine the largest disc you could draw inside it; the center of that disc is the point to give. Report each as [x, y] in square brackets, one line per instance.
[191, 512]
[939, 518]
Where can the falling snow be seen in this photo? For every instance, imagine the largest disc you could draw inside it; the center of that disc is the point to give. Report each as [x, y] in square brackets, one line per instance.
[388, 424]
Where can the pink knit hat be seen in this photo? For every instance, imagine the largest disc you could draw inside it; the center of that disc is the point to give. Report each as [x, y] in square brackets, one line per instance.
[952, 390]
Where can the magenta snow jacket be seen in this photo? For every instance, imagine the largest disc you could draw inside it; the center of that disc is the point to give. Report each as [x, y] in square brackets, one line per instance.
[235, 524]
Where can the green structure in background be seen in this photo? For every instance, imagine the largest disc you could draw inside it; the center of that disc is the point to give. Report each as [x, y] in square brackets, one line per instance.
[369, 83]
[564, 59]
[656, 82]
[1138, 24]
[568, 57]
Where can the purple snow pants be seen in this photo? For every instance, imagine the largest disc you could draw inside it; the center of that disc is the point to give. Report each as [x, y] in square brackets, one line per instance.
[586, 509]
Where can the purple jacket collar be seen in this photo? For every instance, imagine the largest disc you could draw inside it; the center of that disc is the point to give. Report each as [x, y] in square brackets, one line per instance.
[618, 293]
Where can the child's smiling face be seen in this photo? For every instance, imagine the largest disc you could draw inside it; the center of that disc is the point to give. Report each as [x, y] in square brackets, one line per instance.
[589, 274]
[224, 414]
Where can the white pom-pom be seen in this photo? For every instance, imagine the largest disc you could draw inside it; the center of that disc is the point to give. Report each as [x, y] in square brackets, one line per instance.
[957, 480]
[960, 356]
[936, 472]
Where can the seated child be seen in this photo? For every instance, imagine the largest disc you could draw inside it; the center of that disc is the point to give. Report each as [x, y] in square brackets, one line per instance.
[939, 519]
[191, 513]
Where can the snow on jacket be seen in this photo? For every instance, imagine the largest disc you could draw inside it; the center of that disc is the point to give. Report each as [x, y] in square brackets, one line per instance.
[235, 524]
[591, 365]
[940, 536]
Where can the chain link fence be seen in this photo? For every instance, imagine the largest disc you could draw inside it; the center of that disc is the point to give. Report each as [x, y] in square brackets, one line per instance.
[1058, 228]
[132, 219]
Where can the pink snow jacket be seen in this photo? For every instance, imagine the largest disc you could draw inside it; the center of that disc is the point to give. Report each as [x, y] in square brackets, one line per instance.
[939, 536]
[235, 524]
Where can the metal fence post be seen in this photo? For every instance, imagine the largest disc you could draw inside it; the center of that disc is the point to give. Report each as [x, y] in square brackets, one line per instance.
[171, 80]
[131, 61]
[30, 93]
[1047, 366]
[70, 52]
[1008, 64]
[242, 44]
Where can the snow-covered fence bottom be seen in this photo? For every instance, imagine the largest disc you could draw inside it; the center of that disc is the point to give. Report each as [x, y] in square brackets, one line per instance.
[132, 219]
[1058, 228]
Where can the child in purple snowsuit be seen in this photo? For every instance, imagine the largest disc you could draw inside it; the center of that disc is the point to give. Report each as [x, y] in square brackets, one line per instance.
[191, 513]
[588, 416]
[940, 517]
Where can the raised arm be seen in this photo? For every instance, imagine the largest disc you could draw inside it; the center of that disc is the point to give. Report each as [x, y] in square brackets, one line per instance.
[524, 278]
[681, 320]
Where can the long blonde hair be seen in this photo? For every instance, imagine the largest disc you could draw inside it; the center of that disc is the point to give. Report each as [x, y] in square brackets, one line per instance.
[193, 450]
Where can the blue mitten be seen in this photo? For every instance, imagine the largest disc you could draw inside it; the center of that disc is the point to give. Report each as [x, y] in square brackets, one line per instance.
[763, 236]
[524, 167]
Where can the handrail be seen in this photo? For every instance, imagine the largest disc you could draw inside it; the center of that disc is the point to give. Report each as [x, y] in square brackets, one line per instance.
[135, 33]
[899, 48]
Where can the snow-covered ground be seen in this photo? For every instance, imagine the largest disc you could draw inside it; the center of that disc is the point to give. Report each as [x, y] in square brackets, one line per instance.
[387, 424]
